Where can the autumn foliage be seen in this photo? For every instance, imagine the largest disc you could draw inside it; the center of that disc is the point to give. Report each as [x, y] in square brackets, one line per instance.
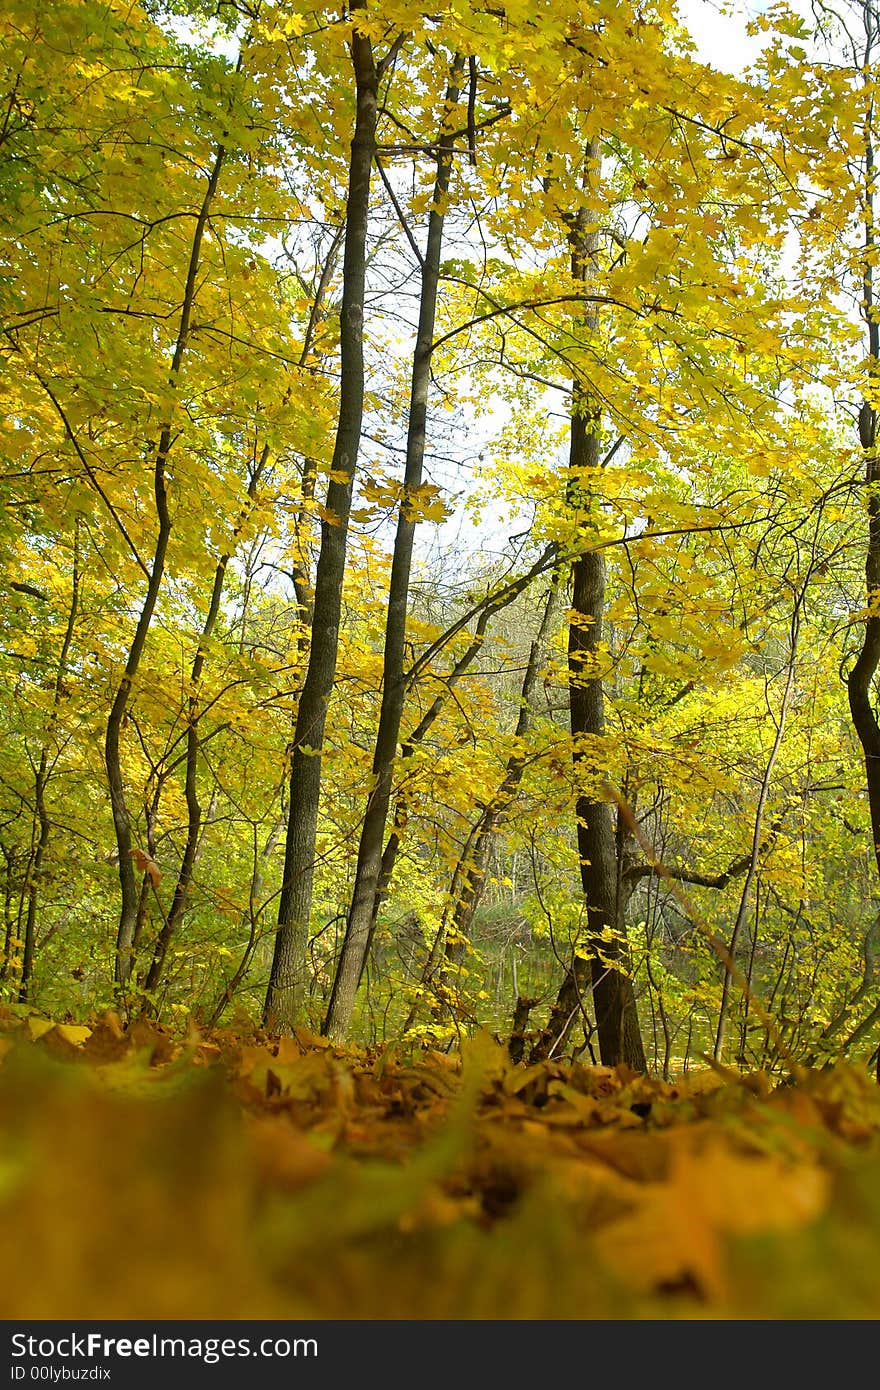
[439, 651]
[218, 1177]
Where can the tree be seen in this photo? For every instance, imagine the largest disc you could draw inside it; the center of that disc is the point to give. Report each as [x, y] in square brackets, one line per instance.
[860, 680]
[292, 298]
[369, 861]
[286, 983]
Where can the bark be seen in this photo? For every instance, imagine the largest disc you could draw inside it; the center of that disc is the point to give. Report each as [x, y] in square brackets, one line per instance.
[369, 860]
[300, 576]
[605, 965]
[754, 856]
[494, 604]
[469, 877]
[285, 993]
[613, 1002]
[596, 841]
[129, 892]
[41, 782]
[861, 677]
[517, 1041]
[193, 806]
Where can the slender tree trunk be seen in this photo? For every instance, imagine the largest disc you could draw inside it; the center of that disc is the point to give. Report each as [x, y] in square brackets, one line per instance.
[9, 916]
[41, 782]
[285, 994]
[469, 877]
[193, 806]
[861, 677]
[252, 918]
[369, 861]
[617, 1029]
[129, 892]
[664, 1024]
[33, 881]
[492, 606]
[474, 881]
[606, 962]
[757, 832]
[301, 571]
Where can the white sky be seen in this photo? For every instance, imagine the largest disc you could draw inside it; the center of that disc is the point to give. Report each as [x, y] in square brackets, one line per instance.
[720, 38]
[718, 29]
[720, 35]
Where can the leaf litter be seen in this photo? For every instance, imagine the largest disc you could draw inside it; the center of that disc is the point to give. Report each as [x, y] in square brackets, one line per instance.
[148, 1175]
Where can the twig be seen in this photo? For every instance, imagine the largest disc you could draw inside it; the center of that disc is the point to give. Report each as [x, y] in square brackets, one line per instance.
[718, 946]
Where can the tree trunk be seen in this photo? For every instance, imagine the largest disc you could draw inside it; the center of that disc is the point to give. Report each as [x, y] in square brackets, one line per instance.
[469, 877]
[861, 677]
[605, 966]
[10, 917]
[862, 674]
[730, 967]
[129, 892]
[285, 994]
[474, 881]
[492, 605]
[193, 806]
[41, 782]
[369, 861]
[617, 1023]
[252, 918]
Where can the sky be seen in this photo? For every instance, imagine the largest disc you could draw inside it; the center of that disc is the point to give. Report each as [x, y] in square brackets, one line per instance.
[719, 32]
[721, 36]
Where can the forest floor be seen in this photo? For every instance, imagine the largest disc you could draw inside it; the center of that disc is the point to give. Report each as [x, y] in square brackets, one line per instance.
[144, 1175]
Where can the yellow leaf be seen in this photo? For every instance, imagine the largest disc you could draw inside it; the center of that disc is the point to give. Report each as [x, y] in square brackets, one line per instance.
[678, 1229]
[74, 1033]
[38, 1026]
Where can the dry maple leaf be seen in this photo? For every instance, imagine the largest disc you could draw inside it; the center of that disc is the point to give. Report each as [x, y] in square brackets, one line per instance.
[146, 865]
[678, 1229]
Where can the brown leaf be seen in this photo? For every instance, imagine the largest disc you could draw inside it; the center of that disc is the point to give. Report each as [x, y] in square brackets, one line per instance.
[145, 1035]
[146, 865]
[286, 1157]
[58, 1045]
[107, 1042]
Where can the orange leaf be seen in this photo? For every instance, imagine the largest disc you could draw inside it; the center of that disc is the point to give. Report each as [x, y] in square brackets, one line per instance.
[145, 865]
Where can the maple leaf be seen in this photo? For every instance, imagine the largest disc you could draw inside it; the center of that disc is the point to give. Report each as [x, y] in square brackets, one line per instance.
[145, 864]
[679, 1229]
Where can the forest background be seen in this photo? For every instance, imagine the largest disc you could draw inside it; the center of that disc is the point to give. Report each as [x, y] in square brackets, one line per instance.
[441, 543]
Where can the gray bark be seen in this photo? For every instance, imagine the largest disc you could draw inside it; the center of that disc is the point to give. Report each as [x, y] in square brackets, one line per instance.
[129, 892]
[369, 861]
[287, 981]
[605, 965]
